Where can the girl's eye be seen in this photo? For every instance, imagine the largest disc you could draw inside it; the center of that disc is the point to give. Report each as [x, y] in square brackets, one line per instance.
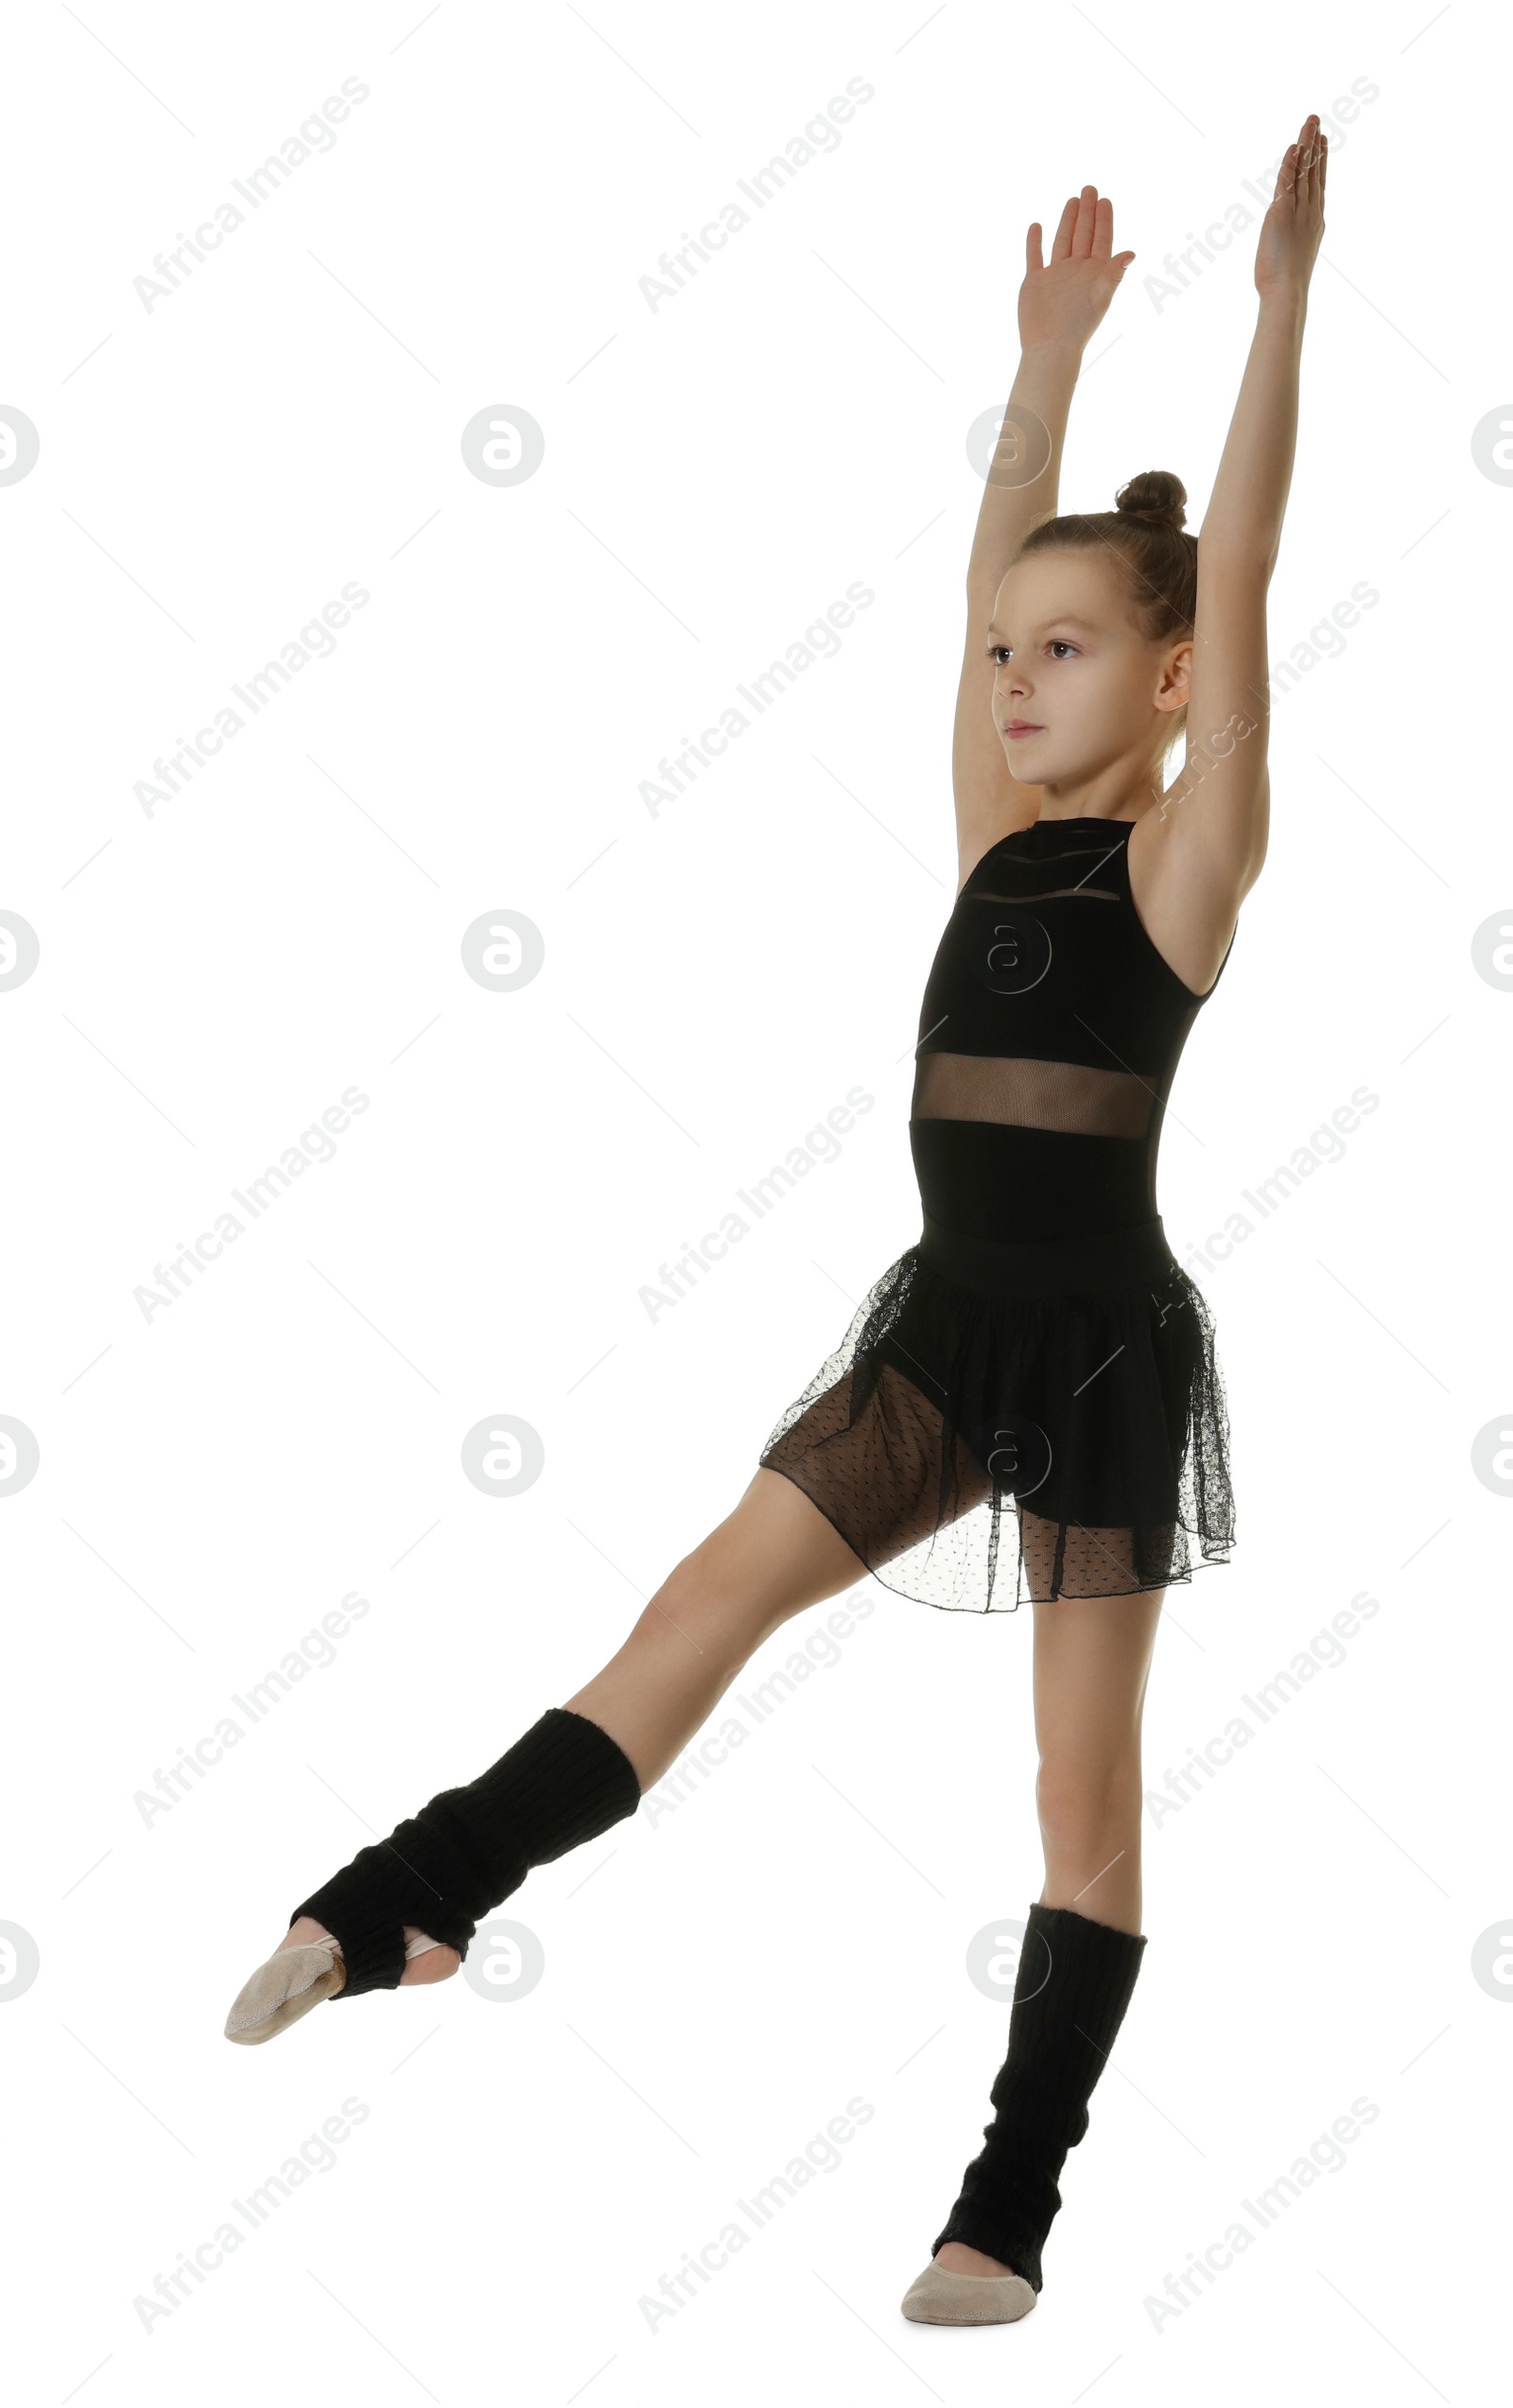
[999, 654]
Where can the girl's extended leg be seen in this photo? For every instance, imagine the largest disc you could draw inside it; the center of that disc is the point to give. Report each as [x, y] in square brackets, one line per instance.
[774, 1555]
[1092, 1659]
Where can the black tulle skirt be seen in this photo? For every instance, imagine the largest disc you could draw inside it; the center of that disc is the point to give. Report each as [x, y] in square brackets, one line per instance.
[1065, 1398]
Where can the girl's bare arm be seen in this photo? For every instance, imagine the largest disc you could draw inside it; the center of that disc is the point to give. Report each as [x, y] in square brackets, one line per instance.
[1061, 303]
[1196, 856]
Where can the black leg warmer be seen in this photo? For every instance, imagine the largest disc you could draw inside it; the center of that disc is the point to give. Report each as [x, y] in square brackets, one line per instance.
[1074, 1982]
[564, 1782]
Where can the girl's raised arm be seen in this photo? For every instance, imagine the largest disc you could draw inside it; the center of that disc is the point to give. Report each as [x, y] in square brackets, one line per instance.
[1061, 303]
[1203, 848]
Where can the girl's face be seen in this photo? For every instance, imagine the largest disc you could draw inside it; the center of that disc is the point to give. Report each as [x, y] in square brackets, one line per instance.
[1078, 690]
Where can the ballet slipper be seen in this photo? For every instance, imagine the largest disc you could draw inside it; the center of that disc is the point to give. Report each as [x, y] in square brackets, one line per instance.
[287, 1987]
[293, 1981]
[940, 2297]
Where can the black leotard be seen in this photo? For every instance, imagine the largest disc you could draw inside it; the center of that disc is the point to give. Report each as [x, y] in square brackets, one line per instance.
[1038, 1349]
[1049, 1035]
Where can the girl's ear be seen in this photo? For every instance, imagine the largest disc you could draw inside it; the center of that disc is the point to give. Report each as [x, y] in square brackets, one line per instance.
[1174, 684]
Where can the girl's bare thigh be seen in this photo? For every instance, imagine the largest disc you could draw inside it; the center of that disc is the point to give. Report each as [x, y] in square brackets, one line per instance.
[771, 1557]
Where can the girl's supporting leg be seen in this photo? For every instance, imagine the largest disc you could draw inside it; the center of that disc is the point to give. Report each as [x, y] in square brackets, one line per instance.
[773, 1557]
[1092, 1659]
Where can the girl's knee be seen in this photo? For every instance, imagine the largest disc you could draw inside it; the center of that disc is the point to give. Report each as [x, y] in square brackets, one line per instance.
[703, 1601]
[1087, 1801]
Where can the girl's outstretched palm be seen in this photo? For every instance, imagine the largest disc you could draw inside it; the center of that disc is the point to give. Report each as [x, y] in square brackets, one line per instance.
[1294, 226]
[1063, 300]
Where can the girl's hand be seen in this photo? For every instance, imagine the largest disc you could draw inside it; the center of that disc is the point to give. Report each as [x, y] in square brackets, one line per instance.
[1062, 303]
[1293, 226]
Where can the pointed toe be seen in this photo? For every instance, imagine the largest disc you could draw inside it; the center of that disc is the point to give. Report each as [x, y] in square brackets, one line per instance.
[287, 1987]
[939, 2298]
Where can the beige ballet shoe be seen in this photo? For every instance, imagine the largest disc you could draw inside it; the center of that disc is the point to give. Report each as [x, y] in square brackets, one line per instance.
[287, 1987]
[940, 2297]
[291, 1982]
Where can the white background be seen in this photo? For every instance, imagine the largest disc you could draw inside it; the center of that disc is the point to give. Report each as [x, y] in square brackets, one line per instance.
[213, 1480]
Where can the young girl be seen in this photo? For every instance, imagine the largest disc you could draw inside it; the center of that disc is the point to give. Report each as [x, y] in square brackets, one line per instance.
[1038, 1349]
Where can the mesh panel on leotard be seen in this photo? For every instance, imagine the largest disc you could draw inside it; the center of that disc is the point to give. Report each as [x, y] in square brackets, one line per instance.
[1032, 1095]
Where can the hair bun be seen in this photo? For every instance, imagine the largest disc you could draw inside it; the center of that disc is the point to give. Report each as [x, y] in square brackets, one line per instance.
[1156, 496]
